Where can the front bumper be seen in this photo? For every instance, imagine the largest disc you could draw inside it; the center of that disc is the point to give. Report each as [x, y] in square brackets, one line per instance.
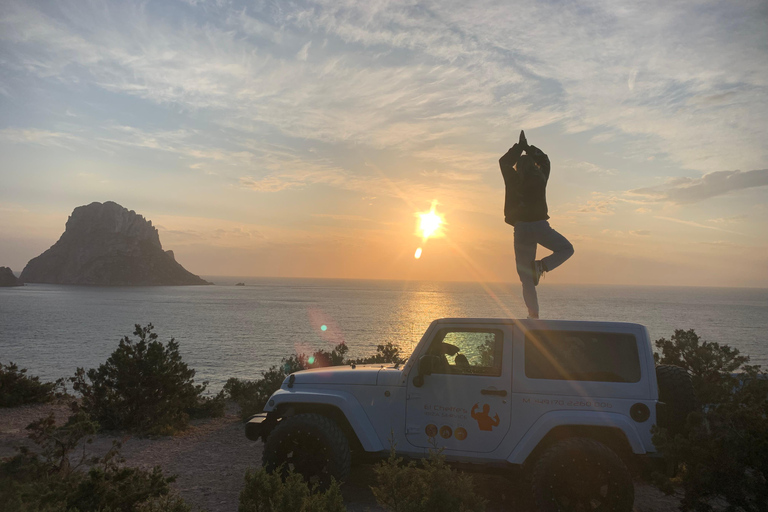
[259, 426]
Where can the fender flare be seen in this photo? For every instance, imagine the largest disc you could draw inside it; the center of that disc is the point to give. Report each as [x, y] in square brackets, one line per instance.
[553, 419]
[345, 402]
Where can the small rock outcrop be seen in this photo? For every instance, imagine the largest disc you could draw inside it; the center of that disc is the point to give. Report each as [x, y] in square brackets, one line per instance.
[8, 278]
[108, 245]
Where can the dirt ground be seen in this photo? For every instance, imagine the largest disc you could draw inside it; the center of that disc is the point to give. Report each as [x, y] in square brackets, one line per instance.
[211, 457]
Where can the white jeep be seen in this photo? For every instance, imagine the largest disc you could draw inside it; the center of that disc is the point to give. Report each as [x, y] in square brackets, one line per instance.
[572, 402]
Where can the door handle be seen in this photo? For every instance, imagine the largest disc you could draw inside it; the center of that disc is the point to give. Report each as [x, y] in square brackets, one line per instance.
[498, 392]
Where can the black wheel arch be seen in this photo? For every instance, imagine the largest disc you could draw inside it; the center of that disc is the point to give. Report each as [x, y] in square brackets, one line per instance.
[330, 411]
[612, 437]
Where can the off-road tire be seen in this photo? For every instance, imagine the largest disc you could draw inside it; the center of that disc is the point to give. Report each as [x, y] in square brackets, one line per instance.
[581, 474]
[310, 444]
[676, 391]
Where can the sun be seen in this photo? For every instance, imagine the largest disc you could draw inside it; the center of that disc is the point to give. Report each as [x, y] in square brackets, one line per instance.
[430, 222]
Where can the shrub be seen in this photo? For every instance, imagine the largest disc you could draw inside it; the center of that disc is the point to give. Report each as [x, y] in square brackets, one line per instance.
[268, 492]
[433, 486]
[251, 396]
[723, 455]
[144, 387]
[388, 353]
[710, 364]
[209, 406]
[52, 479]
[17, 388]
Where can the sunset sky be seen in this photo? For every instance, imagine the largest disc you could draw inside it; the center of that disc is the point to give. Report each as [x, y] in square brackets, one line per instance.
[301, 138]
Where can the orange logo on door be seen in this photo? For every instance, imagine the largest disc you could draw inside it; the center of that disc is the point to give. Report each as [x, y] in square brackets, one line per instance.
[484, 420]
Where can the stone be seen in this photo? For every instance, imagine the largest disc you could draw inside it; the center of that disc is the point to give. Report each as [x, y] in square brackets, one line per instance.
[105, 244]
[8, 278]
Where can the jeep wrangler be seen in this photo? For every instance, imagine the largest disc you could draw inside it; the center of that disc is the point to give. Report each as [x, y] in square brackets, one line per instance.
[572, 403]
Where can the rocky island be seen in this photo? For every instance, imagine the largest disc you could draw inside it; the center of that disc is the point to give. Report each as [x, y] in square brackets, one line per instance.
[7, 278]
[107, 245]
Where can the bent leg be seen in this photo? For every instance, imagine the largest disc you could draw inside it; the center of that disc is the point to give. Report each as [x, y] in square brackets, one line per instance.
[561, 248]
[525, 253]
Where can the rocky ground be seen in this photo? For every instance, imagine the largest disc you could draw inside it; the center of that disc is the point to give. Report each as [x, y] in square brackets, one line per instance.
[211, 457]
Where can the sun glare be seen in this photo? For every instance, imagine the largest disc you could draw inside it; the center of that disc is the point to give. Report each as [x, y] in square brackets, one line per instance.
[429, 222]
[418, 253]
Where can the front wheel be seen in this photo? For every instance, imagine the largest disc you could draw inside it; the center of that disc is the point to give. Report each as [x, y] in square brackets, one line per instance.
[311, 445]
[581, 474]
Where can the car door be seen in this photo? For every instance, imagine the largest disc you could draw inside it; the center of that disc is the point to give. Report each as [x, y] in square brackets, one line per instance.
[462, 405]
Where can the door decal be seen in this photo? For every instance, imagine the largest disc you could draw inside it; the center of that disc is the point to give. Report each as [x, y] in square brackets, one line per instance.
[484, 420]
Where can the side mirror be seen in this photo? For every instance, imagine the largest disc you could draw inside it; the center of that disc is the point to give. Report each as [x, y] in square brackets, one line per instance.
[427, 365]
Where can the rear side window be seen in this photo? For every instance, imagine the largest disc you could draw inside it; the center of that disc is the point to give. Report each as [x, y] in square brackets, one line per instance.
[576, 355]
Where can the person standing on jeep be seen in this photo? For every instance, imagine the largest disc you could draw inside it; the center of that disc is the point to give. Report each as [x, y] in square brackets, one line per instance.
[525, 208]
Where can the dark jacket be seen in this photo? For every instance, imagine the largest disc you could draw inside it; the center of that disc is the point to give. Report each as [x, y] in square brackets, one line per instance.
[526, 196]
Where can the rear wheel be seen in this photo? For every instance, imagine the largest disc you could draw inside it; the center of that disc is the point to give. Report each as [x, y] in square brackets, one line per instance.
[581, 474]
[311, 445]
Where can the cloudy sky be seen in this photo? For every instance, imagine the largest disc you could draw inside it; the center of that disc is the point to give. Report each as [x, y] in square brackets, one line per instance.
[300, 138]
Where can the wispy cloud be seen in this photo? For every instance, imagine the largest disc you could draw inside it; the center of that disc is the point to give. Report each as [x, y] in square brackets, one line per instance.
[724, 244]
[692, 190]
[270, 183]
[42, 137]
[601, 204]
[622, 234]
[696, 224]
[353, 218]
[590, 168]
[733, 219]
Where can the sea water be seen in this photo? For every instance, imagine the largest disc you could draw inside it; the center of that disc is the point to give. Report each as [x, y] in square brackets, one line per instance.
[238, 331]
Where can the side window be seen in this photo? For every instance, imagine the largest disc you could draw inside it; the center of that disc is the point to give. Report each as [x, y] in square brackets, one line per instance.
[469, 351]
[587, 356]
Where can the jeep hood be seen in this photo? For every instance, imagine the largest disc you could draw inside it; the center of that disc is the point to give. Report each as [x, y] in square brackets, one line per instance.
[361, 375]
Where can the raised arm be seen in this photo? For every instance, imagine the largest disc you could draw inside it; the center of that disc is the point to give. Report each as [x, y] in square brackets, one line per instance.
[508, 161]
[540, 158]
[510, 158]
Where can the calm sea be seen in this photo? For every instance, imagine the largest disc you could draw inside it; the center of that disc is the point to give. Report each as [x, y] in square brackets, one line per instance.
[238, 331]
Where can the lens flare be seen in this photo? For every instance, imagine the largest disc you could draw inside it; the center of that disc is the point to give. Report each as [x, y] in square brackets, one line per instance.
[418, 253]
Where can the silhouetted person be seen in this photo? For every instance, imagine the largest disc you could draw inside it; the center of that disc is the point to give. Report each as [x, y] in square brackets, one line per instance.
[525, 208]
[484, 420]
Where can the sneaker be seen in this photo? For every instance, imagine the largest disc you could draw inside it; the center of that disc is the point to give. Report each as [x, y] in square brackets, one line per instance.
[538, 270]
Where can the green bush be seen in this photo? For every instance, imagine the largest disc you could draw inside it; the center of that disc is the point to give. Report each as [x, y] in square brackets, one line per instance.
[385, 354]
[251, 396]
[17, 388]
[268, 492]
[723, 455]
[710, 364]
[55, 480]
[432, 486]
[144, 387]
